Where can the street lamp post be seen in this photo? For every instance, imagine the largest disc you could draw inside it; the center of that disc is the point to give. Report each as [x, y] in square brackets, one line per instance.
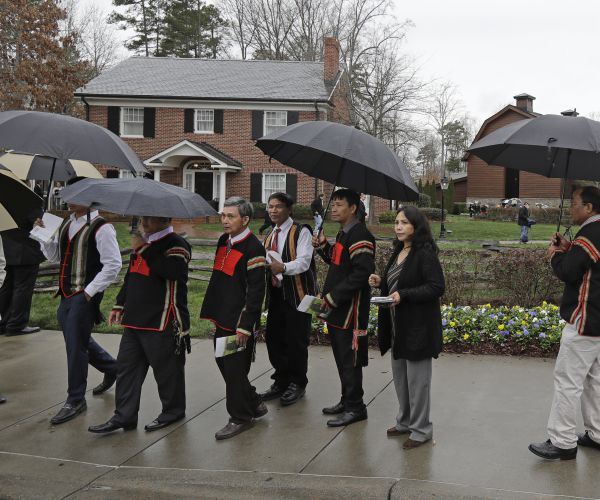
[444, 185]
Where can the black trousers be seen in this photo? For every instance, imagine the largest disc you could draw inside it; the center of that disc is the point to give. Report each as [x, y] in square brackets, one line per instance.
[76, 318]
[15, 296]
[139, 350]
[287, 336]
[350, 375]
[241, 396]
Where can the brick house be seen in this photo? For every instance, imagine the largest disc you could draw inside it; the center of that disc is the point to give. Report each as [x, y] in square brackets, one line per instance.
[489, 184]
[194, 122]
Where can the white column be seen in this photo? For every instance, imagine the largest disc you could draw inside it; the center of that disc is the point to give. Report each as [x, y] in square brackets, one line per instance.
[157, 174]
[222, 189]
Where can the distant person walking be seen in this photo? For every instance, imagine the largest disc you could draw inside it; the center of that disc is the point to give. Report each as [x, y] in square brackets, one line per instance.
[577, 368]
[523, 221]
[412, 327]
[316, 207]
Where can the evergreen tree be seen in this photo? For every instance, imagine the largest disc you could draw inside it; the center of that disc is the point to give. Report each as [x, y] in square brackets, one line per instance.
[146, 19]
[192, 29]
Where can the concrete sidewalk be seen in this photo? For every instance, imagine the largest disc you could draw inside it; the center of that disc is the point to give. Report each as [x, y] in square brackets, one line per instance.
[485, 411]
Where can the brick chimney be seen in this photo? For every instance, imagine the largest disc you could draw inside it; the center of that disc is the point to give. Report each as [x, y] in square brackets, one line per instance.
[525, 102]
[570, 112]
[331, 58]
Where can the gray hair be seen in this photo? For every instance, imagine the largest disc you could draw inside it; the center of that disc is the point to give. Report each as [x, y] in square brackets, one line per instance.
[245, 207]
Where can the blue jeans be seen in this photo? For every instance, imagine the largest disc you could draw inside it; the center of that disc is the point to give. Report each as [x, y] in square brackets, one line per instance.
[524, 234]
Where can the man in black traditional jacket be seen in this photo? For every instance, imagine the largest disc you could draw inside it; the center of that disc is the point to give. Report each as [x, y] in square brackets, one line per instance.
[233, 302]
[346, 296]
[577, 368]
[152, 308]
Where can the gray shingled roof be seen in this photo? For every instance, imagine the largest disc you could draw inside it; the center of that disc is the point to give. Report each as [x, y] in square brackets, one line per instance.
[211, 79]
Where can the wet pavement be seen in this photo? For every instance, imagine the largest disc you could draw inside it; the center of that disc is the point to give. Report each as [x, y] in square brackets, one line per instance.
[485, 410]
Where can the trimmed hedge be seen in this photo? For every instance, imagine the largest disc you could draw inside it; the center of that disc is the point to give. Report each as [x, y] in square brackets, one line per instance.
[541, 215]
[431, 213]
[302, 212]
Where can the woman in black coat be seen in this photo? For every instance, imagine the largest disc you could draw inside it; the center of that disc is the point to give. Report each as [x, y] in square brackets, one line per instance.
[412, 326]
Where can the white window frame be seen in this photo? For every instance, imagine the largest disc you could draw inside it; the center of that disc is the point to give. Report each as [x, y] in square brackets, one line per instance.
[126, 174]
[280, 116]
[122, 121]
[266, 192]
[200, 111]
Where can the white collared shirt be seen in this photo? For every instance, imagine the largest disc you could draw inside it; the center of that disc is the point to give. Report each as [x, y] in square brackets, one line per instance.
[304, 250]
[591, 219]
[239, 237]
[108, 248]
[158, 235]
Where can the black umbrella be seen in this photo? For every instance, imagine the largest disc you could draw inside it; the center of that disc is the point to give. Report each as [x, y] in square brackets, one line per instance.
[343, 156]
[137, 197]
[16, 200]
[565, 147]
[64, 137]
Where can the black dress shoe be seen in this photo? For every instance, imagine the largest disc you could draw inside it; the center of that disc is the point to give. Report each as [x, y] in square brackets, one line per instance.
[292, 394]
[585, 440]
[550, 452]
[68, 412]
[105, 385]
[334, 410]
[272, 392]
[2, 399]
[110, 426]
[157, 424]
[261, 410]
[22, 331]
[232, 429]
[347, 418]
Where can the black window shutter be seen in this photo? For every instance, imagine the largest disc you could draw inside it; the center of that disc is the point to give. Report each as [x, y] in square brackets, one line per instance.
[291, 185]
[149, 122]
[188, 120]
[257, 124]
[114, 118]
[218, 124]
[293, 117]
[256, 188]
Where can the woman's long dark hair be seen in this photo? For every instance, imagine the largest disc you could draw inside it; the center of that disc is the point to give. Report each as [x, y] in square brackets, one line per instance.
[422, 237]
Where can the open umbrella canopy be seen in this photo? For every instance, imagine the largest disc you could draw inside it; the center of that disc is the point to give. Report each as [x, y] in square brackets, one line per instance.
[40, 167]
[343, 156]
[65, 138]
[16, 200]
[137, 197]
[549, 145]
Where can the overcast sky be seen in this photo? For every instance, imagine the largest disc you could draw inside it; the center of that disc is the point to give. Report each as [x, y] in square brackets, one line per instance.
[495, 49]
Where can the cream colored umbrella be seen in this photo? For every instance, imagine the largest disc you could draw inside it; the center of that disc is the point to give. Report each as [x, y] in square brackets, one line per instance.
[39, 167]
[16, 200]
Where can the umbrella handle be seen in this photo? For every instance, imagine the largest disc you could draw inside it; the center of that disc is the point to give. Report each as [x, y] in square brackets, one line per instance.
[50, 184]
[562, 194]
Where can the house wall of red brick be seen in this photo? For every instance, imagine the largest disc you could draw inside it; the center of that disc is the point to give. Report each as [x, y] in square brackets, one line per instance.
[487, 183]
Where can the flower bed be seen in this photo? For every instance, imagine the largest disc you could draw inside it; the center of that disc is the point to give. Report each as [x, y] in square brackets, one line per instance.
[485, 329]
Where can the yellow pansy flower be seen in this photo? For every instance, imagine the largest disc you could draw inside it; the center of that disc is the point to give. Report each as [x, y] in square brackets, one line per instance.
[325, 329]
[452, 324]
[466, 336]
[500, 327]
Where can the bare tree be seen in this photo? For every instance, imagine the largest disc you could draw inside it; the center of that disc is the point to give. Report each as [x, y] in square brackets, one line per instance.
[310, 26]
[98, 41]
[273, 20]
[242, 30]
[444, 108]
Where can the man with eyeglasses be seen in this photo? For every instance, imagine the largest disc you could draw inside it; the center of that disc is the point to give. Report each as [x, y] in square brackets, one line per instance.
[288, 281]
[577, 369]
